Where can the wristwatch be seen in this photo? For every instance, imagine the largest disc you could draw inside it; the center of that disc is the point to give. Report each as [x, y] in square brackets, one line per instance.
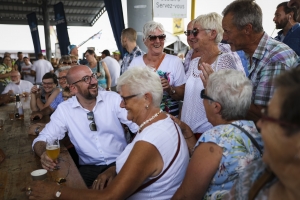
[37, 130]
[172, 90]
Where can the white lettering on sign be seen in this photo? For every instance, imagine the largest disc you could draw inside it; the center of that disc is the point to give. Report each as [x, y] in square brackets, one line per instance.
[170, 8]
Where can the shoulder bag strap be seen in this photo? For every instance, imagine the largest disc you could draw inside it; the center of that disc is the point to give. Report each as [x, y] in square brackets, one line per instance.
[155, 179]
[250, 137]
[98, 70]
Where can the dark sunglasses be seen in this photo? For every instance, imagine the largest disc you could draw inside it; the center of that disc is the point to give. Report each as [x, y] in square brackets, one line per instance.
[265, 117]
[87, 79]
[92, 125]
[128, 97]
[153, 38]
[65, 63]
[195, 32]
[204, 96]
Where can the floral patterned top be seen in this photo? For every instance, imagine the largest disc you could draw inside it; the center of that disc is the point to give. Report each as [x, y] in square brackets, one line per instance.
[238, 152]
[247, 178]
[3, 70]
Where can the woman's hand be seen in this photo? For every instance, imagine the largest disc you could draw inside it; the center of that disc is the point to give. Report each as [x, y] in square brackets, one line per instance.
[186, 130]
[206, 71]
[42, 190]
[34, 89]
[165, 84]
[104, 179]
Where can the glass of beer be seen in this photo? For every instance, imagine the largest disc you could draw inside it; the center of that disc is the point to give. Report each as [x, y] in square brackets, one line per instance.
[53, 148]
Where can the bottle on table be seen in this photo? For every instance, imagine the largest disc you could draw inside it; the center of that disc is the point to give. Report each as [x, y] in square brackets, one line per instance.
[19, 112]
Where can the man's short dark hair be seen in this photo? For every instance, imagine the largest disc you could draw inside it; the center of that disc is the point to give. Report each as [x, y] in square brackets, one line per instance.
[20, 53]
[25, 57]
[106, 52]
[52, 76]
[245, 12]
[40, 55]
[289, 9]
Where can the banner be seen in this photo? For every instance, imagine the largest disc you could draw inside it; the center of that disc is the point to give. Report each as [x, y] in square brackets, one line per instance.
[178, 27]
[170, 8]
[32, 22]
[61, 28]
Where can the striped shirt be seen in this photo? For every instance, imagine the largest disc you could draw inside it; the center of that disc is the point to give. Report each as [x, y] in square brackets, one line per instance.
[269, 60]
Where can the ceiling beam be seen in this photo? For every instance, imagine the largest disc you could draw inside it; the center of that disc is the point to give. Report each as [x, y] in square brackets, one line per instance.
[34, 5]
[3, 12]
[40, 22]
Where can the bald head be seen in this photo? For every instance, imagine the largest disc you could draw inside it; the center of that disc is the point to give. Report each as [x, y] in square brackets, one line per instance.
[77, 72]
[15, 77]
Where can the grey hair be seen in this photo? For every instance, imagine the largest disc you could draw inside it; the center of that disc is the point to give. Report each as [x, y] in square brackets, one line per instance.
[142, 80]
[245, 12]
[151, 26]
[62, 69]
[233, 90]
[65, 58]
[211, 21]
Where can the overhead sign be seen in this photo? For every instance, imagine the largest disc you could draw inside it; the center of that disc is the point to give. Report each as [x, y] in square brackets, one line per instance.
[170, 8]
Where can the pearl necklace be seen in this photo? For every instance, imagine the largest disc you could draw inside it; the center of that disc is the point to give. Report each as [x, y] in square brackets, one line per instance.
[148, 120]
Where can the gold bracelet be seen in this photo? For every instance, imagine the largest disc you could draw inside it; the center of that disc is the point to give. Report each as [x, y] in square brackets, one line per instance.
[188, 137]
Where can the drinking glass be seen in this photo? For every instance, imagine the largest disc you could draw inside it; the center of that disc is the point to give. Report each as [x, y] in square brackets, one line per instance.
[53, 148]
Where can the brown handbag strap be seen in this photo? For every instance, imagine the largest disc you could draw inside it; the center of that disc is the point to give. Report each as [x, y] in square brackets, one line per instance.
[265, 178]
[170, 164]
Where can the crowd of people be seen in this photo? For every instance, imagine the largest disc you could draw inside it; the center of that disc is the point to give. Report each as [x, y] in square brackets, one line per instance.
[236, 136]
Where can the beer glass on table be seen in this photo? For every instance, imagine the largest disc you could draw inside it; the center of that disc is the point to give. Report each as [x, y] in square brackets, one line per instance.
[53, 149]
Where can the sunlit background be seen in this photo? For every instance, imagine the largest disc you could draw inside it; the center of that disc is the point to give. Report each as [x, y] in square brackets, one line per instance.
[15, 38]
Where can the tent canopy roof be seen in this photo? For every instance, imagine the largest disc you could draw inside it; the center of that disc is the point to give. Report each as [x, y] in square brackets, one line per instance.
[78, 12]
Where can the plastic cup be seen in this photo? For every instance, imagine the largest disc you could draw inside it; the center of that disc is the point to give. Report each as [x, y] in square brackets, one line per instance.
[39, 174]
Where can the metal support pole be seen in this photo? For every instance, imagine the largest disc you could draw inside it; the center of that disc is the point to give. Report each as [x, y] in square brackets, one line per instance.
[193, 7]
[139, 12]
[47, 30]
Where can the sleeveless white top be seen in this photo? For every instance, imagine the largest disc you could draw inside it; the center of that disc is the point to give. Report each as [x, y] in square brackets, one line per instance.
[163, 135]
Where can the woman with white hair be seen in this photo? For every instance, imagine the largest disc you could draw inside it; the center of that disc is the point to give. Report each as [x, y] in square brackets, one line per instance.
[206, 35]
[152, 166]
[169, 67]
[221, 153]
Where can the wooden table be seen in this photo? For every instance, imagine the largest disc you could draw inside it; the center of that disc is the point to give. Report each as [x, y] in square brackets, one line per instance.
[20, 159]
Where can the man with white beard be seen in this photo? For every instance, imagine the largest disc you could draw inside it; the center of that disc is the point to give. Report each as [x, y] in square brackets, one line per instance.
[17, 86]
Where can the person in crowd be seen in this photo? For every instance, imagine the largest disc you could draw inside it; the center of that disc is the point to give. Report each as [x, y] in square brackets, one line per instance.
[17, 86]
[61, 74]
[19, 62]
[96, 143]
[221, 153]
[169, 67]
[4, 99]
[41, 97]
[73, 50]
[286, 20]
[66, 93]
[74, 60]
[242, 24]
[26, 70]
[113, 67]
[158, 152]
[54, 63]
[100, 68]
[65, 61]
[276, 175]
[128, 40]
[295, 3]
[5, 69]
[117, 56]
[191, 54]
[206, 36]
[40, 68]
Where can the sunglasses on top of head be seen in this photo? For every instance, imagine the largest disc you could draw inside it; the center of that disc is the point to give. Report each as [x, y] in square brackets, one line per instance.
[153, 38]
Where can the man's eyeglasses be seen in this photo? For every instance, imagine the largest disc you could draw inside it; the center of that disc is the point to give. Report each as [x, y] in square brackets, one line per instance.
[265, 117]
[204, 96]
[128, 97]
[47, 83]
[74, 62]
[153, 38]
[62, 78]
[92, 125]
[195, 32]
[87, 79]
[67, 63]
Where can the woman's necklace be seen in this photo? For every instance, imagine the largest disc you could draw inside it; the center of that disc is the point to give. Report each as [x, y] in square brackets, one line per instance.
[148, 120]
